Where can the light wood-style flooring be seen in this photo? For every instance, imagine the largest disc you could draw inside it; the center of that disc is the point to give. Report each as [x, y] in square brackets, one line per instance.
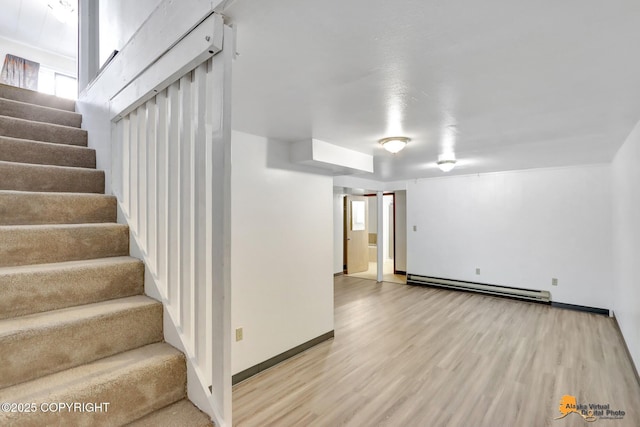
[387, 273]
[417, 356]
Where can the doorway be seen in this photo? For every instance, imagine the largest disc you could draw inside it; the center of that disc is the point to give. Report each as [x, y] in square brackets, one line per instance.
[373, 234]
[356, 234]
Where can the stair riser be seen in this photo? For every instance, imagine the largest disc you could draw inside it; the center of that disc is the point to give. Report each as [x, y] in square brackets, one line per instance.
[182, 413]
[42, 153]
[25, 293]
[34, 353]
[24, 177]
[18, 208]
[53, 346]
[41, 245]
[19, 128]
[33, 97]
[39, 114]
[149, 388]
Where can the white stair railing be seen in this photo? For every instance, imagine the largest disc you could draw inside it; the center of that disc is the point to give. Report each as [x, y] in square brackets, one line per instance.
[171, 166]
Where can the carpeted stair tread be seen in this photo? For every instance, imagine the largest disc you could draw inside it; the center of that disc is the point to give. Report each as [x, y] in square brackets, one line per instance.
[29, 289]
[41, 244]
[45, 153]
[38, 131]
[134, 383]
[180, 414]
[37, 98]
[45, 178]
[28, 207]
[75, 326]
[44, 343]
[38, 113]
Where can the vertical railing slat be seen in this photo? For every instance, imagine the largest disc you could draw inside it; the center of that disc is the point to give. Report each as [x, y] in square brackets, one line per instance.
[173, 201]
[200, 127]
[116, 154]
[126, 171]
[209, 188]
[142, 178]
[186, 160]
[193, 182]
[162, 172]
[134, 184]
[152, 184]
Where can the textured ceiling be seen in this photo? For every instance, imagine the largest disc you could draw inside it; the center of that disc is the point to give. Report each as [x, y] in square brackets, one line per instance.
[506, 85]
[31, 22]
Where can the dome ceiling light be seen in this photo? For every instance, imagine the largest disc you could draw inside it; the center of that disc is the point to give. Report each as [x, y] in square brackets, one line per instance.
[394, 144]
[446, 162]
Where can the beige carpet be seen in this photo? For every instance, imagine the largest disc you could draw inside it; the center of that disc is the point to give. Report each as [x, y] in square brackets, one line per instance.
[79, 341]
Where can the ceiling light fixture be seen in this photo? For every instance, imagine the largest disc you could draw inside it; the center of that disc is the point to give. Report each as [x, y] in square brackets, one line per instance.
[394, 144]
[446, 162]
[62, 10]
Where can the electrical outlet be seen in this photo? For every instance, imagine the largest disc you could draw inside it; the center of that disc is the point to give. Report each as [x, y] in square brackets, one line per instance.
[415, 228]
[554, 282]
[239, 334]
[477, 271]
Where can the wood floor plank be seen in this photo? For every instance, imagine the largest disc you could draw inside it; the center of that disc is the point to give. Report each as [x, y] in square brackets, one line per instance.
[416, 356]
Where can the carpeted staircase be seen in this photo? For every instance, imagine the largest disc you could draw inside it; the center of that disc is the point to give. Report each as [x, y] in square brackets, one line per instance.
[75, 326]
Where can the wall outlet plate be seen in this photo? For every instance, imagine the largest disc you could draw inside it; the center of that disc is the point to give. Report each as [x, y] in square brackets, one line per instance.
[554, 282]
[477, 271]
[239, 334]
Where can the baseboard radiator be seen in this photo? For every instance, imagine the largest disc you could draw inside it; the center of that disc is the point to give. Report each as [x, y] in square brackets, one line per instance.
[504, 291]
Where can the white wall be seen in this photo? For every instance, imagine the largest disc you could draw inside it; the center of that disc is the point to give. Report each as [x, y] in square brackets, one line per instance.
[338, 232]
[401, 231]
[520, 228]
[59, 63]
[119, 20]
[386, 242]
[355, 183]
[281, 251]
[372, 216]
[626, 241]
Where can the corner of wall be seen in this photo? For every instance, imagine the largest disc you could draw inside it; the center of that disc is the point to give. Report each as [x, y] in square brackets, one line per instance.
[282, 246]
[626, 242]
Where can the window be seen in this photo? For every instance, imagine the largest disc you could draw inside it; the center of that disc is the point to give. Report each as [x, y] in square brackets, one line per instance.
[66, 87]
[58, 84]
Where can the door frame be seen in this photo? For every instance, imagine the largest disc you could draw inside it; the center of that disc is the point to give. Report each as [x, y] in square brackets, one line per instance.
[345, 229]
[394, 224]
